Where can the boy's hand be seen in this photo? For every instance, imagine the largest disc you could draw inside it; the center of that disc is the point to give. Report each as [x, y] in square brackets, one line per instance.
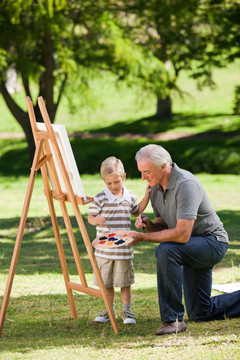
[148, 190]
[100, 220]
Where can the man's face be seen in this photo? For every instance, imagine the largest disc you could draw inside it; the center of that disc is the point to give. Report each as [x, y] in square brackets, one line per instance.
[150, 172]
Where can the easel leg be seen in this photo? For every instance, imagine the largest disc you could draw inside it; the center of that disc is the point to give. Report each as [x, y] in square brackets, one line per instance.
[73, 244]
[19, 236]
[104, 295]
[96, 268]
[59, 242]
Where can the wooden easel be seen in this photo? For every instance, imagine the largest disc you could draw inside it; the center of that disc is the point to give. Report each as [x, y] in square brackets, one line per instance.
[43, 160]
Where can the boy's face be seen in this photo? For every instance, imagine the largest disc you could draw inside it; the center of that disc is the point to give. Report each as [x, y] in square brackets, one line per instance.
[114, 183]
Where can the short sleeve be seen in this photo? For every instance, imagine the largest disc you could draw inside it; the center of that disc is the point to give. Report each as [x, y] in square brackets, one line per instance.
[188, 198]
[94, 208]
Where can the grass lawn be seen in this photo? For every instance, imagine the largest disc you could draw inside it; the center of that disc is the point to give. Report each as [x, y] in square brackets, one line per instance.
[38, 323]
[207, 134]
[128, 109]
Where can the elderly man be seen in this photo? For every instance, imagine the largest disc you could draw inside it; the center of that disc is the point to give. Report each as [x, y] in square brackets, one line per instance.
[191, 241]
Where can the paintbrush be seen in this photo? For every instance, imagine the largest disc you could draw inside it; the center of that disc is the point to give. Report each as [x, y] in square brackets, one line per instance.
[108, 227]
[143, 222]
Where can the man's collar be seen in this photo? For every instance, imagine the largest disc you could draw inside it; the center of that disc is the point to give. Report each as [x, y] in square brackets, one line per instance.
[173, 177]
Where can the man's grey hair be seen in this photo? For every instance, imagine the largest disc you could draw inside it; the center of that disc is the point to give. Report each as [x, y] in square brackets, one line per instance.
[154, 153]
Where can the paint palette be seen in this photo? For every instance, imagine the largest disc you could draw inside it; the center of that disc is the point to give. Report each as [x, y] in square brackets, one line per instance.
[111, 240]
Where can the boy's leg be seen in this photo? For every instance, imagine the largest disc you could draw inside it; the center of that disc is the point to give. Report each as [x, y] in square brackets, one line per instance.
[110, 292]
[126, 295]
[123, 277]
[106, 269]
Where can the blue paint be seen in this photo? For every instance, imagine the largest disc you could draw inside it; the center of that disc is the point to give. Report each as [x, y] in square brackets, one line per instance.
[119, 242]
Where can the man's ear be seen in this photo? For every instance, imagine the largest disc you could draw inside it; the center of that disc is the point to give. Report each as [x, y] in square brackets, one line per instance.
[164, 166]
[124, 176]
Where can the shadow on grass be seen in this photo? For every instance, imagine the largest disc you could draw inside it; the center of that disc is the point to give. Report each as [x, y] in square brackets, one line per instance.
[220, 153]
[38, 253]
[152, 124]
[43, 321]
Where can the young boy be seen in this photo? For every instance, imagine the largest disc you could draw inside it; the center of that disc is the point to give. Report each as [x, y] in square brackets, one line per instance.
[111, 211]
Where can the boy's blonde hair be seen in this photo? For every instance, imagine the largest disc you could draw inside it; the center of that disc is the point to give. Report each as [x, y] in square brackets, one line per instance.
[110, 166]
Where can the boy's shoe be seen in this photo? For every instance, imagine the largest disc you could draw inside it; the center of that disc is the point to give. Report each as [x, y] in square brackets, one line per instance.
[103, 317]
[129, 317]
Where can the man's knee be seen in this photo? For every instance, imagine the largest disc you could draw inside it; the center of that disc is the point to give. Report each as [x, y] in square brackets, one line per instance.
[162, 251]
[199, 312]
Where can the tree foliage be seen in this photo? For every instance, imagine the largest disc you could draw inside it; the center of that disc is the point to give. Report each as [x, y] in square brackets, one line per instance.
[58, 42]
[53, 43]
[194, 35]
[48, 43]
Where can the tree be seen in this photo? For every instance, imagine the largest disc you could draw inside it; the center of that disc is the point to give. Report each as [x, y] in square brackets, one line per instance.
[194, 35]
[27, 41]
[54, 43]
[51, 44]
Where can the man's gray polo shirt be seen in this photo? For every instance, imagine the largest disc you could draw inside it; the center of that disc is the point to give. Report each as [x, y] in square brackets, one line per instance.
[185, 198]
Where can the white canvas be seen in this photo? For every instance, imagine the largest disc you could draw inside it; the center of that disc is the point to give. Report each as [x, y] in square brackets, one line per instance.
[68, 158]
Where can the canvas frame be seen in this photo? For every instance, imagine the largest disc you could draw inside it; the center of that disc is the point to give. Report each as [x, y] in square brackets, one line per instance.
[68, 158]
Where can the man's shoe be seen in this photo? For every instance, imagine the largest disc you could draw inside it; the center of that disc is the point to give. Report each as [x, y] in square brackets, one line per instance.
[172, 328]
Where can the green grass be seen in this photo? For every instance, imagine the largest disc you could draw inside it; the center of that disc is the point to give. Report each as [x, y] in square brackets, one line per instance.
[210, 139]
[111, 108]
[38, 322]
[216, 154]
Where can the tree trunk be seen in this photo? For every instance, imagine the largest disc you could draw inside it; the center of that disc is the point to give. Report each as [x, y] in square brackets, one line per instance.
[164, 108]
[21, 117]
[29, 137]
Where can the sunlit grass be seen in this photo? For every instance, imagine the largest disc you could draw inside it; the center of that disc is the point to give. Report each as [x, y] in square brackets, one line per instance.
[110, 104]
[38, 323]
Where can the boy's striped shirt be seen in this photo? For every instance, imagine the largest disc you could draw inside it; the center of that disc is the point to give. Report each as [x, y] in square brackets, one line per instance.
[116, 212]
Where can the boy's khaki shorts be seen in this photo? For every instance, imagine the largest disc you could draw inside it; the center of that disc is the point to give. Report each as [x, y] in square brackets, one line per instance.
[115, 273]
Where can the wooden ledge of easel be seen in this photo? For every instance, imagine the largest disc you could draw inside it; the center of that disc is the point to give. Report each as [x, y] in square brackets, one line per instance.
[85, 290]
[65, 197]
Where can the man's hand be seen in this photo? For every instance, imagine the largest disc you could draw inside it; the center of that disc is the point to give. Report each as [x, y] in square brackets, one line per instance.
[142, 222]
[135, 235]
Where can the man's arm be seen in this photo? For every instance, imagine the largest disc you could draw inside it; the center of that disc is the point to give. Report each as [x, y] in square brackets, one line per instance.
[180, 234]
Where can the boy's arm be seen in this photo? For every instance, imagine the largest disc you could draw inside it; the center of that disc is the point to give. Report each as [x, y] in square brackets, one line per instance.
[143, 203]
[94, 210]
[96, 220]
